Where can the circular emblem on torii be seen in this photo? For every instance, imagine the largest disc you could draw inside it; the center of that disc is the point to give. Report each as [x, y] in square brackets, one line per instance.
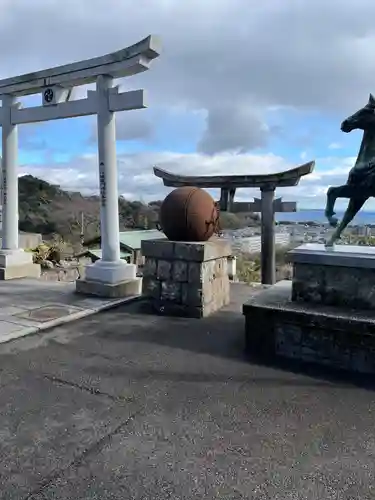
[48, 95]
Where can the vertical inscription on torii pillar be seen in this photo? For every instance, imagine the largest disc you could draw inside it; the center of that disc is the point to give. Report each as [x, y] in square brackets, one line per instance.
[4, 188]
[102, 184]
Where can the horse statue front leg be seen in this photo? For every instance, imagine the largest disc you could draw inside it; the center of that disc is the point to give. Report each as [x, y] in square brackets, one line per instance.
[336, 235]
[354, 206]
[329, 210]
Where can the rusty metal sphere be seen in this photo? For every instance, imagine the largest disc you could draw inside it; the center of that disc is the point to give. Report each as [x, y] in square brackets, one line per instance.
[188, 214]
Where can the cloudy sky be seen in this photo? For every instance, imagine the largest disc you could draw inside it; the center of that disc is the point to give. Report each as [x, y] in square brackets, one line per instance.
[241, 86]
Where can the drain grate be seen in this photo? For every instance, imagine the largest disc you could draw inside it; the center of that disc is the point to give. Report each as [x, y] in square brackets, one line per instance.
[46, 313]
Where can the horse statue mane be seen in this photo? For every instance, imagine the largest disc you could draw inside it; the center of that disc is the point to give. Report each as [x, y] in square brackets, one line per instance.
[360, 185]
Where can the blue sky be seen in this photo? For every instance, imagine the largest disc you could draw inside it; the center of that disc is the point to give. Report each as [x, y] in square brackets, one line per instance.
[239, 87]
[308, 134]
[62, 140]
[298, 137]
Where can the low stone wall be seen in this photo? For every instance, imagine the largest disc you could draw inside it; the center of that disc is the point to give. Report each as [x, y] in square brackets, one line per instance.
[66, 274]
[186, 279]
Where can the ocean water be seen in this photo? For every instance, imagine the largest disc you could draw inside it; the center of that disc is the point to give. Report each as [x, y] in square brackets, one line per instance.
[362, 218]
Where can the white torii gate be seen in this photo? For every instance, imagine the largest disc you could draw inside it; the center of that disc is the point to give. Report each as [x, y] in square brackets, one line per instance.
[55, 86]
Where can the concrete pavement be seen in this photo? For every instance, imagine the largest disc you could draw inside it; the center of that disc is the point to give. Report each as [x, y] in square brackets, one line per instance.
[123, 405]
[28, 306]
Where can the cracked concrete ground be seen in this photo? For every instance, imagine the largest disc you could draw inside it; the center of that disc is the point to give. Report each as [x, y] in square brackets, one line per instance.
[124, 405]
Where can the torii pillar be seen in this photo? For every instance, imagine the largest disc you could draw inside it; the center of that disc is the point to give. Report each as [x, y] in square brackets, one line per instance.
[268, 206]
[14, 262]
[226, 202]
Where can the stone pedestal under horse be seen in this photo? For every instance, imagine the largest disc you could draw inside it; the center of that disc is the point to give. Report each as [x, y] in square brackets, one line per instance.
[360, 185]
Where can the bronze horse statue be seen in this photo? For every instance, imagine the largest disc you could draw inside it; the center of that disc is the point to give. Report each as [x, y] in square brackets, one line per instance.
[360, 185]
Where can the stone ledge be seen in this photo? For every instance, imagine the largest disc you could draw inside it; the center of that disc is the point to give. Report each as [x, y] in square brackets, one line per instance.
[215, 248]
[339, 255]
[119, 290]
[336, 337]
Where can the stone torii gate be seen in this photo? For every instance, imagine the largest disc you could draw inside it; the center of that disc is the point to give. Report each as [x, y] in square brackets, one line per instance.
[267, 205]
[55, 86]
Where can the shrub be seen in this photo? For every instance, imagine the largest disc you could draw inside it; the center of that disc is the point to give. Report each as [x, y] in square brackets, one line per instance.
[249, 266]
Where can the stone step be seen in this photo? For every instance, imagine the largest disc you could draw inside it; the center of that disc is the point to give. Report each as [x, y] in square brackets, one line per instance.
[338, 337]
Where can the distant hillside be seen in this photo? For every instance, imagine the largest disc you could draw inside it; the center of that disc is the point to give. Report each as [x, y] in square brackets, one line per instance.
[47, 209]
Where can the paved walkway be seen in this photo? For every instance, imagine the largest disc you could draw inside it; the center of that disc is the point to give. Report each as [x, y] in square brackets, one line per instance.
[122, 405]
[28, 306]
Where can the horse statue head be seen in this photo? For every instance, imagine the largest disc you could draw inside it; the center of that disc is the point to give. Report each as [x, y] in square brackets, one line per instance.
[360, 185]
[363, 119]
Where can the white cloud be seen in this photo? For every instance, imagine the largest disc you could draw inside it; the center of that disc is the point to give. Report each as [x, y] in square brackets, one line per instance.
[230, 61]
[335, 145]
[136, 178]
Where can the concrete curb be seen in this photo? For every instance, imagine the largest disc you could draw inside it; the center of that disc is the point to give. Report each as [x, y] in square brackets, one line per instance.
[48, 325]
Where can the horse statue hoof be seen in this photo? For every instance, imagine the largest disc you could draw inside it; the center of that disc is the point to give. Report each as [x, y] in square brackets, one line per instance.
[329, 244]
[333, 221]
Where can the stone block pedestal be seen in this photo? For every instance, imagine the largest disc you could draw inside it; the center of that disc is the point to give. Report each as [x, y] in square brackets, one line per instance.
[342, 276]
[110, 279]
[16, 264]
[325, 316]
[186, 278]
